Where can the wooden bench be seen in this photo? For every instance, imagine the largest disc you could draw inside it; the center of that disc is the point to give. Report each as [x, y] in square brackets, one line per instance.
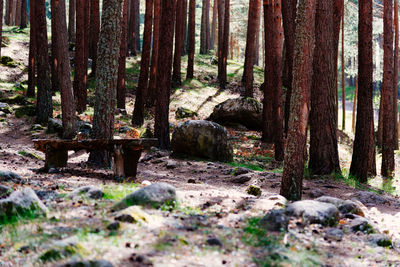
[126, 152]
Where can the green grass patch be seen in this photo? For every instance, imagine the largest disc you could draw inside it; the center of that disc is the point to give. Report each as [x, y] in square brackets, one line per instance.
[249, 166]
[119, 191]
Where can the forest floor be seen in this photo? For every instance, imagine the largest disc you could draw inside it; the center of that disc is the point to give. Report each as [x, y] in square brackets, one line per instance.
[215, 222]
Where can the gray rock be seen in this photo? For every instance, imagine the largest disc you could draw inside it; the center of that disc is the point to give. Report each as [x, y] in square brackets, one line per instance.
[171, 164]
[370, 198]
[8, 176]
[380, 240]
[241, 179]
[37, 127]
[86, 263]
[312, 211]
[203, 139]
[54, 126]
[360, 224]
[154, 195]
[21, 204]
[47, 195]
[244, 111]
[316, 193]
[5, 191]
[213, 241]
[344, 206]
[2, 114]
[254, 190]
[333, 234]
[240, 171]
[5, 108]
[275, 220]
[182, 113]
[114, 226]
[125, 218]
[92, 192]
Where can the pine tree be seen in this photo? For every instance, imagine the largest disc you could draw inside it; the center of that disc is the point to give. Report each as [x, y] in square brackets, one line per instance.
[192, 41]
[121, 86]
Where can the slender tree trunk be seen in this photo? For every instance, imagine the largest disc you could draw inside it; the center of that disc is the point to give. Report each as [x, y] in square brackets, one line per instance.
[18, 12]
[44, 106]
[61, 49]
[324, 156]
[289, 19]
[7, 14]
[87, 34]
[387, 92]
[184, 27]
[208, 38]
[293, 170]
[364, 145]
[133, 21]
[14, 11]
[257, 46]
[138, 113]
[154, 55]
[32, 52]
[24, 15]
[343, 80]
[161, 126]
[214, 25]
[205, 27]
[106, 77]
[337, 17]
[253, 23]
[225, 46]
[137, 25]
[221, 11]
[1, 23]
[396, 73]
[71, 21]
[94, 33]
[80, 71]
[121, 86]
[192, 41]
[176, 74]
[353, 124]
[55, 85]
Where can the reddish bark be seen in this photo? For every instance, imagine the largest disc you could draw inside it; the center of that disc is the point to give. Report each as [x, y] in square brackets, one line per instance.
[176, 74]
[1, 22]
[324, 157]
[71, 21]
[121, 86]
[138, 113]
[32, 53]
[154, 55]
[94, 33]
[213, 35]
[205, 27]
[161, 127]
[18, 12]
[252, 29]
[225, 46]
[55, 86]
[192, 41]
[387, 92]
[364, 145]
[293, 170]
[221, 12]
[396, 74]
[24, 15]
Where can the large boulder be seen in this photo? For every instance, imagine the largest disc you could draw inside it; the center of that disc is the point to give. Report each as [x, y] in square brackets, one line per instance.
[344, 206]
[244, 110]
[8, 176]
[21, 204]
[202, 139]
[92, 192]
[312, 211]
[154, 195]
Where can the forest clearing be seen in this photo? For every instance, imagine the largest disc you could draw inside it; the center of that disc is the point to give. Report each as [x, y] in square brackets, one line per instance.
[133, 133]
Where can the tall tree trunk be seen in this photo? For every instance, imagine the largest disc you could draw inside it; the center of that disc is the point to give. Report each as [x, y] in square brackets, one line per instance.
[353, 120]
[137, 25]
[138, 113]
[205, 27]
[121, 84]
[106, 77]
[7, 14]
[132, 29]
[1, 23]
[253, 23]
[225, 46]
[55, 85]
[257, 46]
[161, 126]
[80, 71]
[221, 16]
[293, 170]
[71, 21]
[184, 27]
[214, 25]
[387, 92]
[289, 19]
[192, 41]
[24, 15]
[324, 157]
[87, 34]
[18, 12]
[396, 74]
[176, 74]
[61, 49]
[32, 52]
[94, 33]
[154, 55]
[337, 18]
[343, 80]
[364, 145]
[44, 106]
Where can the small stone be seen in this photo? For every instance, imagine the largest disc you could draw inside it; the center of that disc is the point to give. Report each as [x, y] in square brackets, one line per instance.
[344, 206]
[5, 191]
[370, 198]
[241, 179]
[7, 176]
[4, 107]
[360, 224]
[171, 164]
[316, 193]
[191, 181]
[114, 226]
[182, 113]
[380, 240]
[253, 190]
[239, 171]
[333, 234]
[37, 127]
[312, 211]
[145, 183]
[86, 263]
[125, 218]
[213, 241]
[275, 220]
[92, 192]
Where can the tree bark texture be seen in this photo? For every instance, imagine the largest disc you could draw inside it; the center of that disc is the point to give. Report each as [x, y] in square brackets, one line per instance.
[24, 15]
[94, 33]
[205, 27]
[32, 52]
[213, 35]
[225, 46]
[176, 74]
[191, 39]
[71, 21]
[121, 83]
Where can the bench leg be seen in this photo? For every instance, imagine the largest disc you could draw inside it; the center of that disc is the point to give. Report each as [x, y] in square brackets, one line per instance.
[131, 159]
[56, 158]
[118, 162]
